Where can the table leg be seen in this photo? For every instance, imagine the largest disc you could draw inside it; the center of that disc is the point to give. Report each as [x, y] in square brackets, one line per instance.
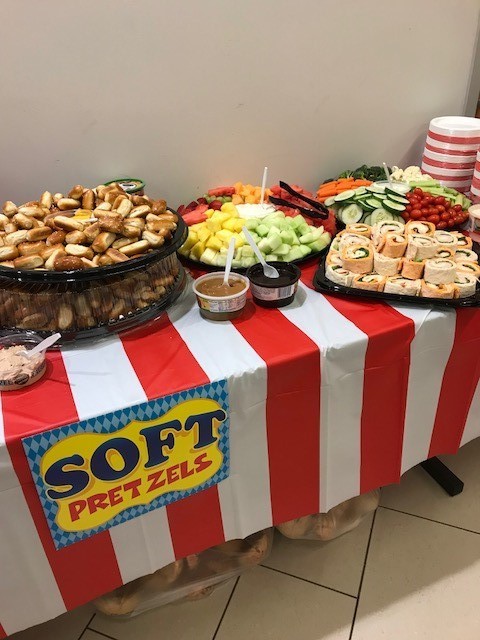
[443, 476]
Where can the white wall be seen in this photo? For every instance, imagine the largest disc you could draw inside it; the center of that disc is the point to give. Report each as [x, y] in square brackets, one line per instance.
[190, 94]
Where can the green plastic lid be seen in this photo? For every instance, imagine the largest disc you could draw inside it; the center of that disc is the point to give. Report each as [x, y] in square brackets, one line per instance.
[130, 185]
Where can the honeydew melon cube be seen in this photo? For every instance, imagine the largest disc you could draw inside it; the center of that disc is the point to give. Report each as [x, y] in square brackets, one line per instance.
[251, 223]
[327, 237]
[214, 243]
[274, 242]
[220, 260]
[248, 262]
[273, 231]
[247, 251]
[271, 257]
[296, 221]
[318, 245]
[209, 256]
[287, 236]
[304, 250]
[255, 236]
[303, 229]
[307, 238]
[236, 263]
[204, 234]
[224, 235]
[213, 225]
[197, 251]
[262, 230]
[283, 250]
[296, 241]
[224, 250]
[264, 246]
[295, 253]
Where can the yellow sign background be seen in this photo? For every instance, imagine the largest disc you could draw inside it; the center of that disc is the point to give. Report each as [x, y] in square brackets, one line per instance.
[89, 508]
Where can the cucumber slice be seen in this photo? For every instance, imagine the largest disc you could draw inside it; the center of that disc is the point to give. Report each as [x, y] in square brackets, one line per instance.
[367, 207]
[362, 196]
[352, 213]
[393, 207]
[329, 202]
[399, 199]
[373, 202]
[379, 196]
[360, 191]
[346, 195]
[398, 218]
[398, 188]
[367, 219]
[375, 188]
[380, 215]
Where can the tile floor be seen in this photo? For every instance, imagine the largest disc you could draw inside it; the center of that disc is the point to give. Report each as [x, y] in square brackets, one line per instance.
[410, 571]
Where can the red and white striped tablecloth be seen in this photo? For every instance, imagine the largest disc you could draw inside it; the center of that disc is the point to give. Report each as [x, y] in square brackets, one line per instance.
[329, 398]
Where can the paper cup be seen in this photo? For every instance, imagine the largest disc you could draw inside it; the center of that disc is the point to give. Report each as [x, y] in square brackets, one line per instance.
[462, 127]
[451, 148]
[448, 161]
[221, 307]
[441, 173]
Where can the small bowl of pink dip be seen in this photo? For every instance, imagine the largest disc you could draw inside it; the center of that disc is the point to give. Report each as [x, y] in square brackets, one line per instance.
[17, 370]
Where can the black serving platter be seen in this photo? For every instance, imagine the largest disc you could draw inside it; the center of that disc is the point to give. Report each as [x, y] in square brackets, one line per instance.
[324, 285]
[195, 264]
[130, 321]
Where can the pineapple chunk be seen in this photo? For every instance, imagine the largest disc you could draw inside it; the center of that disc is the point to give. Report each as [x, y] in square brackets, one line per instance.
[204, 234]
[209, 256]
[239, 241]
[213, 225]
[239, 224]
[191, 240]
[209, 212]
[214, 243]
[229, 207]
[230, 224]
[197, 251]
[224, 235]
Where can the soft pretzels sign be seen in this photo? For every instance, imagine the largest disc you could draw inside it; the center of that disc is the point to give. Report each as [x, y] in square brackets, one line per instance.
[100, 472]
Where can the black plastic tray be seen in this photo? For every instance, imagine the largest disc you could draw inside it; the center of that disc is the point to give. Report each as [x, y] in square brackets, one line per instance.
[55, 277]
[194, 264]
[324, 285]
[130, 321]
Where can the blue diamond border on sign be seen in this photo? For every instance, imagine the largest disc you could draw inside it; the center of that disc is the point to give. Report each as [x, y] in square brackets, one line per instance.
[36, 446]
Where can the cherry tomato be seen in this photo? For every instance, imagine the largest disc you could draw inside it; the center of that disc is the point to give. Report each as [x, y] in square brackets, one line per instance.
[451, 223]
[427, 199]
[435, 219]
[405, 216]
[448, 204]
[425, 211]
[442, 224]
[457, 207]
[418, 192]
[445, 216]
[440, 208]
[440, 200]
[408, 208]
[434, 210]
[415, 214]
[414, 200]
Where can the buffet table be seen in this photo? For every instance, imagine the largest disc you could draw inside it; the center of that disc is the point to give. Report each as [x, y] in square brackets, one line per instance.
[328, 399]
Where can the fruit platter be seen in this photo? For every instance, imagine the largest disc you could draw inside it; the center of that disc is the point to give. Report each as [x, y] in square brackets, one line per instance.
[409, 195]
[291, 225]
[400, 261]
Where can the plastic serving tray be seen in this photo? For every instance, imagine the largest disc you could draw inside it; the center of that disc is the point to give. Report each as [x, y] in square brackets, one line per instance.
[324, 285]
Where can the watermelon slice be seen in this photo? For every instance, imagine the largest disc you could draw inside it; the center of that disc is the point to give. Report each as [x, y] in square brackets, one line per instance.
[196, 216]
[221, 191]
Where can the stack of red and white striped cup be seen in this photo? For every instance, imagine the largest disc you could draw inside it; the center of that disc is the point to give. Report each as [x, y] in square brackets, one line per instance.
[451, 151]
[475, 188]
